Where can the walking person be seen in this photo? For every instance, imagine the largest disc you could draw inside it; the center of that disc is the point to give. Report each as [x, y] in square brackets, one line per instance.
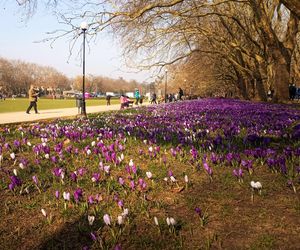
[153, 99]
[137, 96]
[180, 93]
[32, 95]
[108, 97]
[293, 92]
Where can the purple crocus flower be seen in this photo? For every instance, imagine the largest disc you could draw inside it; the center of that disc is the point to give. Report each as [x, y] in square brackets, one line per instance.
[73, 176]
[198, 211]
[76, 151]
[112, 147]
[120, 204]
[118, 247]
[121, 181]
[134, 169]
[35, 179]
[78, 194]
[7, 146]
[16, 180]
[93, 236]
[17, 143]
[208, 169]
[170, 173]
[53, 159]
[173, 152]
[213, 158]
[132, 185]
[58, 147]
[194, 153]
[142, 183]
[57, 171]
[96, 177]
[81, 171]
[90, 199]
[57, 194]
[127, 169]
[69, 149]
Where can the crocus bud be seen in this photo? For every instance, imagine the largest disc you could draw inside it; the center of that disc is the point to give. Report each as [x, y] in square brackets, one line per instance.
[91, 219]
[12, 155]
[44, 212]
[120, 220]
[156, 221]
[106, 219]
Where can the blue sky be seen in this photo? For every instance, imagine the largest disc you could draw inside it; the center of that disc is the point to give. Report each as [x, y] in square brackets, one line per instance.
[18, 41]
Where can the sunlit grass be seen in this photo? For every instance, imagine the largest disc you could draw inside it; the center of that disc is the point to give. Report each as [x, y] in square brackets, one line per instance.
[21, 104]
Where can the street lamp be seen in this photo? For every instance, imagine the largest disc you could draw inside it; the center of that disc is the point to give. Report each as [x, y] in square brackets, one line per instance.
[166, 82]
[83, 27]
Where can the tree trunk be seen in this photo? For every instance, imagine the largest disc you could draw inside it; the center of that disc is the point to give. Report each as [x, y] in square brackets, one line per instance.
[279, 57]
[261, 92]
[241, 85]
[278, 75]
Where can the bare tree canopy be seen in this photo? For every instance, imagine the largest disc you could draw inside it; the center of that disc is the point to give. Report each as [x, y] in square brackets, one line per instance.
[252, 45]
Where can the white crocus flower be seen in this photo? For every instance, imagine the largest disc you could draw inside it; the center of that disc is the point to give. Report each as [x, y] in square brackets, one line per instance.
[122, 156]
[47, 156]
[125, 212]
[256, 185]
[149, 175]
[29, 144]
[172, 221]
[186, 179]
[106, 219]
[21, 165]
[15, 172]
[131, 163]
[44, 144]
[44, 212]
[168, 221]
[12, 155]
[120, 220]
[93, 143]
[91, 219]
[151, 149]
[166, 179]
[172, 178]
[66, 196]
[88, 152]
[106, 169]
[156, 221]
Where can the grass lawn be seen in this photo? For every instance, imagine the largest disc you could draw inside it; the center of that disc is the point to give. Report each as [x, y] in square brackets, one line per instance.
[21, 104]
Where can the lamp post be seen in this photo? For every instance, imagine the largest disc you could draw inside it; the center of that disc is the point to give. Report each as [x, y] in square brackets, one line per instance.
[166, 82]
[83, 27]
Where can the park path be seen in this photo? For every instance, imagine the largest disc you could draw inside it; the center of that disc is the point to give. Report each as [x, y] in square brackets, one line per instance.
[16, 117]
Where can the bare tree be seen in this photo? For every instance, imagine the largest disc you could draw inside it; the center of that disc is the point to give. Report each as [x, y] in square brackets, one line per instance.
[257, 40]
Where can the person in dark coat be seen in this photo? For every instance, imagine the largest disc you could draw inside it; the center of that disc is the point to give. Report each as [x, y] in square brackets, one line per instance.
[180, 94]
[108, 97]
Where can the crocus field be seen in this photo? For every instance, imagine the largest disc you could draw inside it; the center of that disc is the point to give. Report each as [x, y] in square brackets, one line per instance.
[202, 174]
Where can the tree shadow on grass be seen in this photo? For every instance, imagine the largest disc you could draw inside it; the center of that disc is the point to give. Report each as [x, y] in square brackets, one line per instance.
[71, 236]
